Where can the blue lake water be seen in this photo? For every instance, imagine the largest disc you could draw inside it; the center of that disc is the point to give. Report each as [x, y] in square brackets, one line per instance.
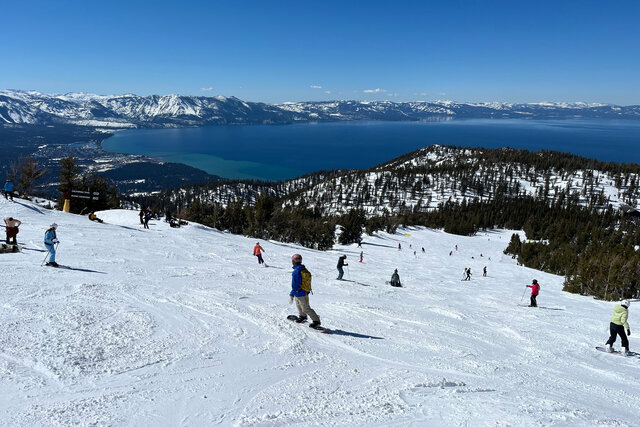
[284, 151]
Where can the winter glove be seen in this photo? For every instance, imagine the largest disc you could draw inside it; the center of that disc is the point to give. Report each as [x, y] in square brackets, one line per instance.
[290, 299]
[56, 241]
[628, 331]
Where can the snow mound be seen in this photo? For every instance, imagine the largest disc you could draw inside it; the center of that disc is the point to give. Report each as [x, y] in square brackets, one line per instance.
[183, 327]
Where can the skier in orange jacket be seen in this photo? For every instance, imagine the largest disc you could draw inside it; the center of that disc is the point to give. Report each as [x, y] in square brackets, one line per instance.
[257, 251]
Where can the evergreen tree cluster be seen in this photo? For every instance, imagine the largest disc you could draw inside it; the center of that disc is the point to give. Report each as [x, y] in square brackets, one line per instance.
[71, 179]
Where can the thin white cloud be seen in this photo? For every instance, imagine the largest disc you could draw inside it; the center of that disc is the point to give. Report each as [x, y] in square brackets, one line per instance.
[376, 90]
[315, 87]
[327, 92]
[206, 89]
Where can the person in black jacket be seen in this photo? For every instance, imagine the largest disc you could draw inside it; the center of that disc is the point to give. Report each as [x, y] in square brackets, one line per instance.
[341, 264]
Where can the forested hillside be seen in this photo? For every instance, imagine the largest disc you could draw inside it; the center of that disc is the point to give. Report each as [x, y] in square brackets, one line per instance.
[569, 207]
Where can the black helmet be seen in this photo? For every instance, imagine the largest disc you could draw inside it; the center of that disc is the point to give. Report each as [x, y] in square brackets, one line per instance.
[535, 281]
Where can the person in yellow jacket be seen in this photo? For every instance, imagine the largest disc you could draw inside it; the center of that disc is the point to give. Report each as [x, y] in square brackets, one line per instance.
[618, 325]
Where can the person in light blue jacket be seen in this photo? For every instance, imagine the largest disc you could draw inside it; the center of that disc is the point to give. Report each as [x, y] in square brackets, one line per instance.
[50, 241]
[8, 189]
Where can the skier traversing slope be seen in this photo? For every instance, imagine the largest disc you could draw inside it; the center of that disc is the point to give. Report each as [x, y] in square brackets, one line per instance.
[50, 240]
[257, 251]
[617, 326]
[301, 279]
[535, 290]
[341, 264]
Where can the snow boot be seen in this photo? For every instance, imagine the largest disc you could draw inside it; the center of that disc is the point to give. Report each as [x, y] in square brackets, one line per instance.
[625, 351]
[52, 264]
[301, 319]
[609, 348]
[314, 324]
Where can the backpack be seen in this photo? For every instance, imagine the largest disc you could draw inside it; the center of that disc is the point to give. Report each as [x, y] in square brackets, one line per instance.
[306, 280]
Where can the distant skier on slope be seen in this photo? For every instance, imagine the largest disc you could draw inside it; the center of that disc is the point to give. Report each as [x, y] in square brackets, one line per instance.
[484, 271]
[147, 217]
[300, 289]
[8, 189]
[12, 229]
[468, 274]
[50, 240]
[141, 215]
[617, 326]
[399, 247]
[341, 264]
[257, 251]
[535, 290]
[361, 255]
[395, 279]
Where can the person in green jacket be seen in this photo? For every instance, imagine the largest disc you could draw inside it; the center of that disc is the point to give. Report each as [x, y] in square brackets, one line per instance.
[618, 325]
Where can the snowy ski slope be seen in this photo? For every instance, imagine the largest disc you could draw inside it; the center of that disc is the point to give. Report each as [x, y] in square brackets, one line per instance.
[182, 327]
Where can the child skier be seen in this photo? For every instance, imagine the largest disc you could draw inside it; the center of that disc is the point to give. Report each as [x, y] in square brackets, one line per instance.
[535, 290]
[618, 325]
[341, 264]
[299, 295]
[50, 240]
[361, 255]
[257, 251]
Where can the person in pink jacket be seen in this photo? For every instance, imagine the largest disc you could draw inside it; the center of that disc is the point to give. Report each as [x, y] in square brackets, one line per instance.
[535, 290]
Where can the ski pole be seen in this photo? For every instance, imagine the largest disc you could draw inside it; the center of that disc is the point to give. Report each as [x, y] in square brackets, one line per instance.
[48, 253]
[45, 257]
[525, 291]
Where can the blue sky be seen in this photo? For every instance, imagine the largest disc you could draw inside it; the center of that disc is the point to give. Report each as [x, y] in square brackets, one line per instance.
[276, 51]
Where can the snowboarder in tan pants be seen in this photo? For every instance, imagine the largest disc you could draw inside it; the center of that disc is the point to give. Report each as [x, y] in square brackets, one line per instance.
[299, 294]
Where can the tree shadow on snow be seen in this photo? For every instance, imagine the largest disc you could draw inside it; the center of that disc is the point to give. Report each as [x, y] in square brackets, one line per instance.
[33, 208]
[84, 270]
[33, 249]
[353, 281]
[352, 334]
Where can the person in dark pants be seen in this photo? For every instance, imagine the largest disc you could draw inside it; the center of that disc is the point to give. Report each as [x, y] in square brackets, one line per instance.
[147, 217]
[618, 325]
[141, 215]
[257, 251]
[535, 290]
[341, 264]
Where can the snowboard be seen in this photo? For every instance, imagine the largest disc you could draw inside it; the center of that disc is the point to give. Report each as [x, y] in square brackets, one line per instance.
[293, 318]
[618, 353]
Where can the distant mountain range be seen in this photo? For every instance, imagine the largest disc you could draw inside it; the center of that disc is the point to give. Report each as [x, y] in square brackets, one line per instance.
[131, 111]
